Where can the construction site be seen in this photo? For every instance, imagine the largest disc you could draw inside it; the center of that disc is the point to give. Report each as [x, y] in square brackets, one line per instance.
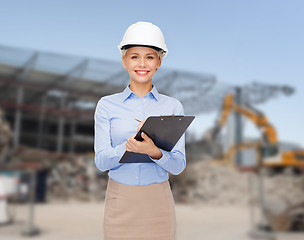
[234, 187]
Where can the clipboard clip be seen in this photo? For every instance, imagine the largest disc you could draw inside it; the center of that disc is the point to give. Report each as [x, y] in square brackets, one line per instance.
[176, 116]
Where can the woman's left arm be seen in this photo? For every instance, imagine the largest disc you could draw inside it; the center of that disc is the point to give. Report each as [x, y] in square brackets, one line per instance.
[175, 160]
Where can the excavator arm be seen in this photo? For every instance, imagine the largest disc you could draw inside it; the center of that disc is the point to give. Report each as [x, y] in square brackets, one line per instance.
[255, 116]
[260, 120]
[225, 112]
[268, 145]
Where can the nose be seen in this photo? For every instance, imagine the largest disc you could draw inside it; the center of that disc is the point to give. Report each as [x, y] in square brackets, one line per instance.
[142, 62]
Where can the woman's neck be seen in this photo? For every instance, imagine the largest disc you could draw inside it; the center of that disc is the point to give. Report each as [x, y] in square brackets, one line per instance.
[140, 89]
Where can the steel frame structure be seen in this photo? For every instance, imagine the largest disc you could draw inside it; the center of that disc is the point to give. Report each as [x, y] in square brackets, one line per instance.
[38, 86]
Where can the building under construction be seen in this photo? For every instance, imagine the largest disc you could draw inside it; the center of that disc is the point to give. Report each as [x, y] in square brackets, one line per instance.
[49, 99]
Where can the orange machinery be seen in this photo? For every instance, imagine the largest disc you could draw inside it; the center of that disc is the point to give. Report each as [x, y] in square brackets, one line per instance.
[267, 147]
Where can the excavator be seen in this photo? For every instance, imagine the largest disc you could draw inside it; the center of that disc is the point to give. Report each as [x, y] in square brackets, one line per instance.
[269, 156]
[267, 147]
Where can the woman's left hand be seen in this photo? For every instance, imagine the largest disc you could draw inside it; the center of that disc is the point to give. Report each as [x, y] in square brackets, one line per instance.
[147, 146]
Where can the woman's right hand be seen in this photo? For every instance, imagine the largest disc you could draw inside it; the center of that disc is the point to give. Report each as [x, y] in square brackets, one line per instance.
[146, 146]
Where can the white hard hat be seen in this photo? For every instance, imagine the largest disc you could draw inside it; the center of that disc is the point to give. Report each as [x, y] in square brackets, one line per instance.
[144, 34]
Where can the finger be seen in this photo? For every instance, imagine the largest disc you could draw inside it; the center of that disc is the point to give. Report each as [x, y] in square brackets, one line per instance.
[145, 137]
[132, 140]
[133, 143]
[129, 147]
[140, 125]
[130, 143]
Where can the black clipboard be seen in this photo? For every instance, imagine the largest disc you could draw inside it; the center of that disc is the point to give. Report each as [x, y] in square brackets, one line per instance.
[165, 131]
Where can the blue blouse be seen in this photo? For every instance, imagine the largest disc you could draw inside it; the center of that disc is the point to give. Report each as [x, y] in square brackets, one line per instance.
[115, 122]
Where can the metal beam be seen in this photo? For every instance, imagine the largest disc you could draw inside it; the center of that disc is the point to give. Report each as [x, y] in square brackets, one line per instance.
[72, 135]
[61, 122]
[238, 127]
[20, 94]
[40, 123]
[61, 82]
[52, 111]
[45, 88]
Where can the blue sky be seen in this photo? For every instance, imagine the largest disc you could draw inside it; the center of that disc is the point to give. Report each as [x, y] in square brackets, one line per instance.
[238, 40]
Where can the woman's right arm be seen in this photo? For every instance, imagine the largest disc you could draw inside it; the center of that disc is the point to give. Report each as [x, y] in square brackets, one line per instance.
[106, 156]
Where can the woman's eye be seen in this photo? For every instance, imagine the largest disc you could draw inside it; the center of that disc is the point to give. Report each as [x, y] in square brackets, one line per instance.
[134, 57]
[150, 57]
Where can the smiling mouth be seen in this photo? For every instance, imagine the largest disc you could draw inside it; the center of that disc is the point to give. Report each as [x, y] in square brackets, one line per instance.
[141, 72]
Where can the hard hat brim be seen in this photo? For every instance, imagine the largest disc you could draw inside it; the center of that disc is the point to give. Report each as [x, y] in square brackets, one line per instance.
[125, 47]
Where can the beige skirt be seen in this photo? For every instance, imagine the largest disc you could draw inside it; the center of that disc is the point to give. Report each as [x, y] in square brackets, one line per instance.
[139, 212]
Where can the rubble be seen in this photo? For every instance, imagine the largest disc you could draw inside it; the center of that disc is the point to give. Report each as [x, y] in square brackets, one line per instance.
[76, 180]
[74, 177]
[6, 138]
[209, 182]
[201, 182]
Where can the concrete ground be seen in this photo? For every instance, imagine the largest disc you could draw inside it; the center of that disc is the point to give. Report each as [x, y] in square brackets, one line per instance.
[83, 221]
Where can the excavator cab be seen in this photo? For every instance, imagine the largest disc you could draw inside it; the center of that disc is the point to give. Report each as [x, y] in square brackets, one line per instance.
[269, 150]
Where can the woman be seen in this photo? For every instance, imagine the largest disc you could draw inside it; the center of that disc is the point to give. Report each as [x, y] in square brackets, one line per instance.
[139, 202]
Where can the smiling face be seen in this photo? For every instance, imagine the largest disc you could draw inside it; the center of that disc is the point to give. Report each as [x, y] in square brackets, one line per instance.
[141, 63]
